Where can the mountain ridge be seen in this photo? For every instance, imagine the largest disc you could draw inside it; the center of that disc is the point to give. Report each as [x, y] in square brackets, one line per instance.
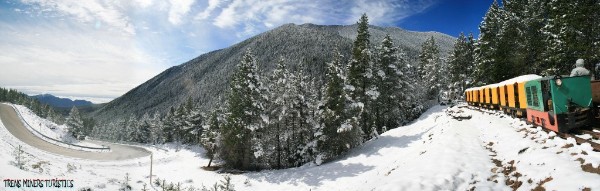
[55, 101]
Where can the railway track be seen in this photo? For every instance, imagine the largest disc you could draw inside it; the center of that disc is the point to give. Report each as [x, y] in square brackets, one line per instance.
[578, 140]
[595, 135]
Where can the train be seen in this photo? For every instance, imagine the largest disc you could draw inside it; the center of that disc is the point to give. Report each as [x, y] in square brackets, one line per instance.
[558, 103]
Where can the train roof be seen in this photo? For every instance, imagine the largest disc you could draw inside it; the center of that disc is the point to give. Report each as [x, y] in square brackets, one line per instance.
[517, 79]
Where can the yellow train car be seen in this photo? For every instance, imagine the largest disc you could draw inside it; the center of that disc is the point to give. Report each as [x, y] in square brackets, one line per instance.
[508, 96]
[502, 96]
[522, 99]
[488, 100]
[481, 98]
[495, 97]
[475, 94]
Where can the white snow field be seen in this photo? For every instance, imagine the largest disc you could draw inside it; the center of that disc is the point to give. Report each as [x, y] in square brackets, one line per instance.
[489, 151]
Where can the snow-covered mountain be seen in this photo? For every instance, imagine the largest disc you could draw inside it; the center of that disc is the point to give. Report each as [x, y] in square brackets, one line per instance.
[206, 78]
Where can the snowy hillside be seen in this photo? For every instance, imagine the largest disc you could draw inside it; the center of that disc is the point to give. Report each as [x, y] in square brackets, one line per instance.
[489, 151]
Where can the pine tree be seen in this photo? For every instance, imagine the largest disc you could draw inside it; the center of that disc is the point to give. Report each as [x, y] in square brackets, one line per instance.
[144, 128]
[431, 69]
[179, 123]
[194, 128]
[388, 79]
[301, 99]
[487, 45]
[278, 110]
[339, 131]
[168, 125]
[211, 135]
[74, 123]
[534, 19]
[131, 129]
[359, 77]
[246, 114]
[461, 65]
[572, 32]
[156, 129]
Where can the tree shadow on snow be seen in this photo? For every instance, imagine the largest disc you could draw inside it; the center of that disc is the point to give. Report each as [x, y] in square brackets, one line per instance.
[373, 147]
[427, 114]
[331, 171]
[311, 175]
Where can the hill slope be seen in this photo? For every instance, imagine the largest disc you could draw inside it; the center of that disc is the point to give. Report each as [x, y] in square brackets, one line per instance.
[206, 78]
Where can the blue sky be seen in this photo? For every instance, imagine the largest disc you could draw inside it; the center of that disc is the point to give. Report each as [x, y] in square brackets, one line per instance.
[100, 49]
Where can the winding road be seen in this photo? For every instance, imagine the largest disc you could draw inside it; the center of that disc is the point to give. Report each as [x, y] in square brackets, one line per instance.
[13, 124]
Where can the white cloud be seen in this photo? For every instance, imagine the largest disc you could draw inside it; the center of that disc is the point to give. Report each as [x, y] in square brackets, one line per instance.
[257, 15]
[109, 12]
[85, 62]
[144, 3]
[212, 5]
[387, 11]
[179, 8]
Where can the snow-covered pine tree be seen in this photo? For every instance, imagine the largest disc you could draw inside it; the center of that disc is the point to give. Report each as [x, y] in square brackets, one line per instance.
[156, 129]
[144, 126]
[212, 134]
[534, 18]
[511, 43]
[189, 122]
[131, 129]
[388, 76]
[460, 66]
[431, 69]
[193, 130]
[75, 123]
[51, 115]
[168, 124]
[275, 149]
[572, 32]
[405, 89]
[180, 123]
[338, 129]
[301, 120]
[359, 77]
[246, 116]
[486, 46]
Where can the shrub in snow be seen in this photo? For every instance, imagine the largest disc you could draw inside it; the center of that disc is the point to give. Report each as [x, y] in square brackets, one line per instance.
[226, 184]
[125, 184]
[19, 156]
[71, 168]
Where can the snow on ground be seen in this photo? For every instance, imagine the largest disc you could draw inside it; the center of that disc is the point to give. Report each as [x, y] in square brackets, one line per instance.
[490, 151]
[49, 128]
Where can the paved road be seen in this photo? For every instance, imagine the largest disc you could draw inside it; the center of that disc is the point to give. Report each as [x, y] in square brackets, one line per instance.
[13, 124]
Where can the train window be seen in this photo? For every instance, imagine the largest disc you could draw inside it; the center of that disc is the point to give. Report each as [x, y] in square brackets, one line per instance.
[528, 92]
[534, 96]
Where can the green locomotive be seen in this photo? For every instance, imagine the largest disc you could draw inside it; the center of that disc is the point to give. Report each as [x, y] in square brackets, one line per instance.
[559, 103]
